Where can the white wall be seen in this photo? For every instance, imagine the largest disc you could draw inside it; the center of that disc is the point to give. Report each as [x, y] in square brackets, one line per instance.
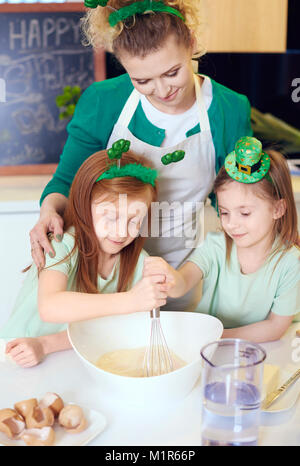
[16, 220]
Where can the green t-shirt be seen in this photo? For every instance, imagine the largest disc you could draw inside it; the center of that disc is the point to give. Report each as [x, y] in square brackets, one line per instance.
[25, 321]
[238, 299]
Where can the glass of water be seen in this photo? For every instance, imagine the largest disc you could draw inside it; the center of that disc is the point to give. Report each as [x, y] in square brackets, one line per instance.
[232, 377]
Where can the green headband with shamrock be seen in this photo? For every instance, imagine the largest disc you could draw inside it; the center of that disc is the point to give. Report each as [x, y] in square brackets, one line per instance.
[144, 174]
[136, 170]
[135, 8]
[248, 163]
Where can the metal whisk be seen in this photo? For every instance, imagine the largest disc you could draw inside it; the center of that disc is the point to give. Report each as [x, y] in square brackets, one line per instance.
[158, 359]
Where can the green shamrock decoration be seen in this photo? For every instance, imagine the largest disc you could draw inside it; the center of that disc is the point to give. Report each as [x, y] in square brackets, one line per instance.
[95, 3]
[174, 157]
[117, 149]
[67, 101]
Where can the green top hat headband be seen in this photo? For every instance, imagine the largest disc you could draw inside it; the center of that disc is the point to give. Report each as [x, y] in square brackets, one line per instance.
[247, 163]
[141, 7]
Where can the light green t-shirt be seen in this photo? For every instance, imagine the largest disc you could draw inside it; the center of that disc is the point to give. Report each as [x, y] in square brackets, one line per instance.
[25, 321]
[238, 299]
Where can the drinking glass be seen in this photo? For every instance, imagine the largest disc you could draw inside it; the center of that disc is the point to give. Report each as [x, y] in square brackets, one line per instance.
[232, 377]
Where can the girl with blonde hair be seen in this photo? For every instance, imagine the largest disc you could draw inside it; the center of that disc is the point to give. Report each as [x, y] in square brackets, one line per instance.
[161, 105]
[251, 270]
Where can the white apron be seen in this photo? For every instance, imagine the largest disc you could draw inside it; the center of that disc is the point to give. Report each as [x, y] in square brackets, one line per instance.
[183, 188]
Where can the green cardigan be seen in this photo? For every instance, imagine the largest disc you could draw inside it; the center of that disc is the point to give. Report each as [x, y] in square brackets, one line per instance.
[99, 108]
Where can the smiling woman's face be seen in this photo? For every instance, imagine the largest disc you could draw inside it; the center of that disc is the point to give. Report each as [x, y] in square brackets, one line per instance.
[164, 76]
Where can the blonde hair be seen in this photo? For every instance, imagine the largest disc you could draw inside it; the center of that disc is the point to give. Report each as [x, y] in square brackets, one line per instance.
[144, 33]
[277, 187]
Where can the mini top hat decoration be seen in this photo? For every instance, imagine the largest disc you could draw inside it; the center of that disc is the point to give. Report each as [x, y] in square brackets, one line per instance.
[247, 163]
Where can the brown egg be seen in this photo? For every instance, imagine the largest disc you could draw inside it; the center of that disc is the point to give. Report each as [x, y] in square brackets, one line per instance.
[11, 423]
[39, 417]
[72, 419]
[52, 401]
[38, 437]
[26, 406]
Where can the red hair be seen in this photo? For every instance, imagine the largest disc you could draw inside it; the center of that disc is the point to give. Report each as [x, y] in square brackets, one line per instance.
[78, 214]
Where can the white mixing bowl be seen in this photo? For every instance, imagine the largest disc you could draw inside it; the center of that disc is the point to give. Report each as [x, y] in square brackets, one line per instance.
[186, 333]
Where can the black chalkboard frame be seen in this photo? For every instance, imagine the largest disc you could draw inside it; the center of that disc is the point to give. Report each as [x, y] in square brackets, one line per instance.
[99, 73]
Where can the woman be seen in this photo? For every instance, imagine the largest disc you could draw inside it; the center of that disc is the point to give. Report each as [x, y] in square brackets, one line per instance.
[161, 106]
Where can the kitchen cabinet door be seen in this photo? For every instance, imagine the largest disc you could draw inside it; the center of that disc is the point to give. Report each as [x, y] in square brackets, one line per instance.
[246, 25]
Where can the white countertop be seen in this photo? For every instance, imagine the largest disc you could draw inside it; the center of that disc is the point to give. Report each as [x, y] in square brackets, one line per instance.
[176, 425]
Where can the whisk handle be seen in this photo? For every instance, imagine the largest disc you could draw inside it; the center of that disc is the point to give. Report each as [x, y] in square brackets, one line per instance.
[155, 313]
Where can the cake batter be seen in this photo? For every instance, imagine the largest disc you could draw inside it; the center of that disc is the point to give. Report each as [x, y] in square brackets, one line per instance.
[130, 362]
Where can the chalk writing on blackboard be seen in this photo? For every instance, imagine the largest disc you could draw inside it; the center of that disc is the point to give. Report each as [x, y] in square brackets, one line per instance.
[40, 53]
[42, 33]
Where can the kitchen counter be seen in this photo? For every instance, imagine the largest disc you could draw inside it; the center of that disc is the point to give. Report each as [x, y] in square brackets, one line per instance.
[175, 425]
[22, 188]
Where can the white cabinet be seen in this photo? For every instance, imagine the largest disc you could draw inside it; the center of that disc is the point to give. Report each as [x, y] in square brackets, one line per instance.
[16, 220]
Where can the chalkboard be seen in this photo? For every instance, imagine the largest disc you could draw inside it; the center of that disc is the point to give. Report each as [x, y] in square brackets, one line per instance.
[41, 52]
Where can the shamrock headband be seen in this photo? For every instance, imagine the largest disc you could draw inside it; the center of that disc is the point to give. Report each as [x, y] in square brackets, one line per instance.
[248, 163]
[145, 174]
[135, 8]
[136, 170]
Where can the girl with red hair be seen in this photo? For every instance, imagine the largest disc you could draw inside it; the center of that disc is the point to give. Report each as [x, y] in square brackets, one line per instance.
[97, 269]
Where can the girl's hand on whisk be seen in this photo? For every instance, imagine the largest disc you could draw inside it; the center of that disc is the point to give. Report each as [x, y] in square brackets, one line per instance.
[175, 280]
[148, 293]
[157, 266]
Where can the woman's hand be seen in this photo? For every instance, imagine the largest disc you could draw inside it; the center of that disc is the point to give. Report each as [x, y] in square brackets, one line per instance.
[50, 221]
[26, 352]
[148, 293]
[40, 244]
